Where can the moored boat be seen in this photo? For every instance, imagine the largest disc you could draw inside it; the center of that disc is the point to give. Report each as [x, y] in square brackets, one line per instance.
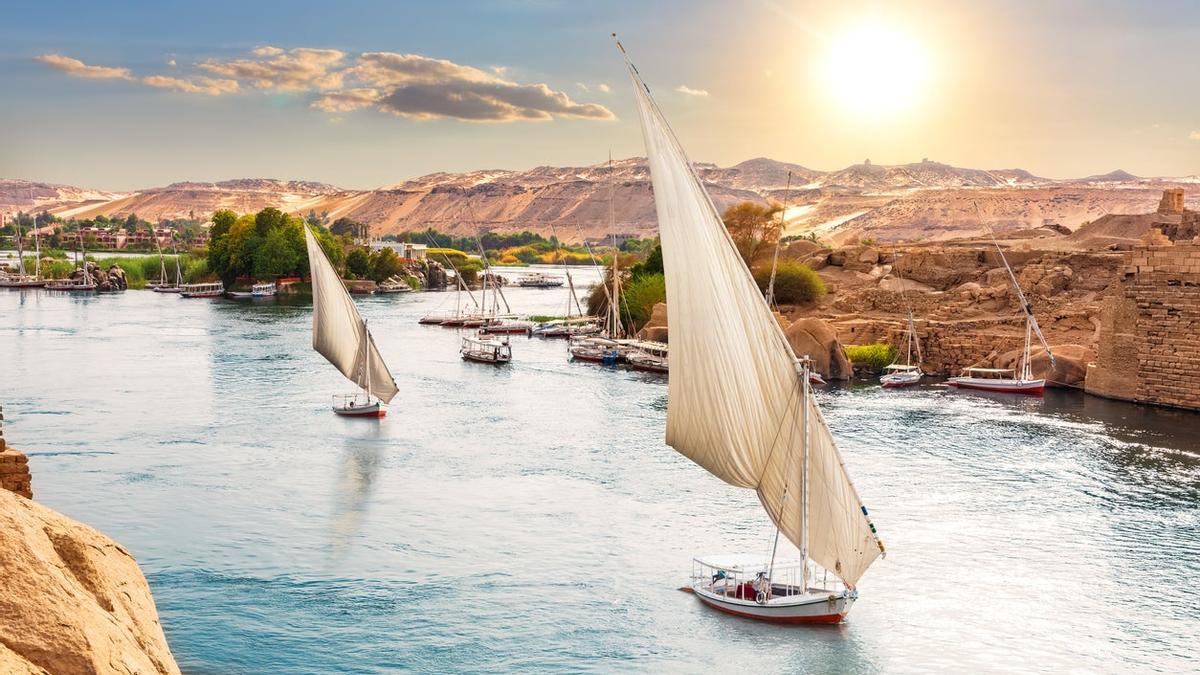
[211, 289]
[899, 375]
[539, 280]
[1003, 380]
[740, 405]
[392, 286]
[22, 279]
[508, 327]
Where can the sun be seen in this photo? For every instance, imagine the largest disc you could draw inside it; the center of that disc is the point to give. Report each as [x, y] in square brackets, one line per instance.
[875, 70]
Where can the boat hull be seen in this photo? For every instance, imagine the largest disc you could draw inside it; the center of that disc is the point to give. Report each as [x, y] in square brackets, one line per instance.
[813, 609]
[201, 294]
[38, 283]
[1028, 387]
[375, 409]
[166, 289]
[899, 381]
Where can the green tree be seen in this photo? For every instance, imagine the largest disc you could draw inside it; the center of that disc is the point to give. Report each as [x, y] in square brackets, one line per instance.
[754, 228]
[268, 219]
[640, 296]
[222, 220]
[385, 263]
[276, 256]
[358, 263]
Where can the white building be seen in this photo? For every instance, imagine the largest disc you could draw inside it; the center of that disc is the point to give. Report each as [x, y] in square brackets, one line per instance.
[403, 249]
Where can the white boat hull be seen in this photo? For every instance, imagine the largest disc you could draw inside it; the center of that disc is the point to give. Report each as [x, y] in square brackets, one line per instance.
[374, 409]
[1031, 387]
[896, 380]
[811, 607]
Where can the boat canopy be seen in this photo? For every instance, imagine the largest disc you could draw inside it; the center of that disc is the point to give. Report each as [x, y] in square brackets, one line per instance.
[736, 403]
[902, 368]
[744, 563]
[991, 370]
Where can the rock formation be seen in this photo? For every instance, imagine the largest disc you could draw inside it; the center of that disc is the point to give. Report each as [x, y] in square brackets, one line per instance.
[1070, 364]
[656, 327]
[818, 340]
[73, 600]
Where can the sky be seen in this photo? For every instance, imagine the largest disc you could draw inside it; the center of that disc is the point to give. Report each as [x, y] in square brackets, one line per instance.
[128, 95]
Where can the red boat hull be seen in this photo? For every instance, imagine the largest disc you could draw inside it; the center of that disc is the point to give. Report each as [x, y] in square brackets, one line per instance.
[813, 619]
[1032, 390]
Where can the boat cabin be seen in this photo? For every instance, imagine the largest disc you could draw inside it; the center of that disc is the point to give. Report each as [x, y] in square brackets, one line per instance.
[745, 577]
[990, 373]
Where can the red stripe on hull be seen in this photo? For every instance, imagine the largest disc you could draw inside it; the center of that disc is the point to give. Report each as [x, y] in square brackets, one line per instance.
[380, 413]
[821, 618]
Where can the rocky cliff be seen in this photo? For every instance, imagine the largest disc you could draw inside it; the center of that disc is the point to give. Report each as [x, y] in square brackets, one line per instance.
[72, 600]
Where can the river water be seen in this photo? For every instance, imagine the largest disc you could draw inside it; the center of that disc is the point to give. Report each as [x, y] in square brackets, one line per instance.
[530, 518]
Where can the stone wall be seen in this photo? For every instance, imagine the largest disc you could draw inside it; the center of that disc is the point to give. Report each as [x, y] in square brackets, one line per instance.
[1149, 348]
[14, 467]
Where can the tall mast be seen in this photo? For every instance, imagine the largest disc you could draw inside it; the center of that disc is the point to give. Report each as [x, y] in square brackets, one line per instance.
[37, 252]
[367, 357]
[805, 385]
[787, 192]
[175, 250]
[20, 249]
[614, 300]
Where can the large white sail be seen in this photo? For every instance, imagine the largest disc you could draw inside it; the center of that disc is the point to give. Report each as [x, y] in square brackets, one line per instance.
[339, 332]
[735, 401]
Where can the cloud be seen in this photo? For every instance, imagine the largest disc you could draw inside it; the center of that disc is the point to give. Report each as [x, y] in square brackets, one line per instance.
[77, 68]
[406, 85]
[202, 85]
[420, 87]
[684, 89]
[1194, 136]
[604, 87]
[291, 70]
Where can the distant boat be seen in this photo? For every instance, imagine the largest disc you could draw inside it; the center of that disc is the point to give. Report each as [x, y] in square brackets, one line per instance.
[340, 334]
[1009, 380]
[256, 292]
[210, 289]
[484, 348]
[905, 374]
[22, 279]
[170, 286]
[740, 405]
[539, 280]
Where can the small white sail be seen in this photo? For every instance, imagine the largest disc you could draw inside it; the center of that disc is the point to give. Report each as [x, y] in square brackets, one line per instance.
[735, 401]
[339, 331]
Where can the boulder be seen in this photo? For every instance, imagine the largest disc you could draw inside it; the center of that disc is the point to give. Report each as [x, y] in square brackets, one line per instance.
[74, 601]
[818, 340]
[656, 326]
[940, 269]
[898, 284]
[861, 258]
[801, 249]
[1070, 364]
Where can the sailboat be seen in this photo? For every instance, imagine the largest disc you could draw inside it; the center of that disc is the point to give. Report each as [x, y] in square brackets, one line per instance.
[81, 280]
[169, 286]
[22, 279]
[606, 347]
[1009, 380]
[740, 405]
[340, 334]
[571, 326]
[896, 375]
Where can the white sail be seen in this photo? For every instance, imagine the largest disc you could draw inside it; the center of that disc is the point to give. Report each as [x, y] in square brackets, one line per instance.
[339, 332]
[735, 399]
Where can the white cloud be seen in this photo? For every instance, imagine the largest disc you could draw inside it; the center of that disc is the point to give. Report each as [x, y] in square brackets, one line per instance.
[300, 69]
[1194, 136]
[604, 87]
[77, 68]
[582, 86]
[201, 85]
[407, 85]
[171, 62]
[684, 89]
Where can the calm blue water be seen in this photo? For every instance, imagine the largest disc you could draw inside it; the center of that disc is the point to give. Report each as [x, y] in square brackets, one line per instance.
[530, 518]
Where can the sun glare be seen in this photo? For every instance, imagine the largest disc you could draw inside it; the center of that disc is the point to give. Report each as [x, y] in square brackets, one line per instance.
[875, 70]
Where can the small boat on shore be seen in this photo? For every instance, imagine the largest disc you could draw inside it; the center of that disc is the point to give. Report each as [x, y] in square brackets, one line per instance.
[897, 375]
[595, 350]
[340, 334]
[567, 328]
[646, 362]
[741, 406]
[539, 280]
[76, 284]
[211, 289]
[256, 292]
[484, 348]
[506, 326]
[21, 279]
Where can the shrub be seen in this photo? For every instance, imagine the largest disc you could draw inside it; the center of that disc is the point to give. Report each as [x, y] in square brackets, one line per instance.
[795, 283]
[641, 295]
[872, 357]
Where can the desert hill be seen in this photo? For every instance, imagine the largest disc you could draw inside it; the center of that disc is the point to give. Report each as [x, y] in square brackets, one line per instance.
[924, 200]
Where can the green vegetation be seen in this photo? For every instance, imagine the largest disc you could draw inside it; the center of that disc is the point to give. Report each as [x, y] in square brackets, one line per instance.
[872, 357]
[640, 296]
[264, 245]
[795, 283]
[642, 286]
[520, 248]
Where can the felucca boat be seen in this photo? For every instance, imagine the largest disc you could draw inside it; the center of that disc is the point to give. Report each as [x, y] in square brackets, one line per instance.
[1010, 380]
[340, 335]
[739, 404]
[22, 279]
[897, 375]
[170, 286]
